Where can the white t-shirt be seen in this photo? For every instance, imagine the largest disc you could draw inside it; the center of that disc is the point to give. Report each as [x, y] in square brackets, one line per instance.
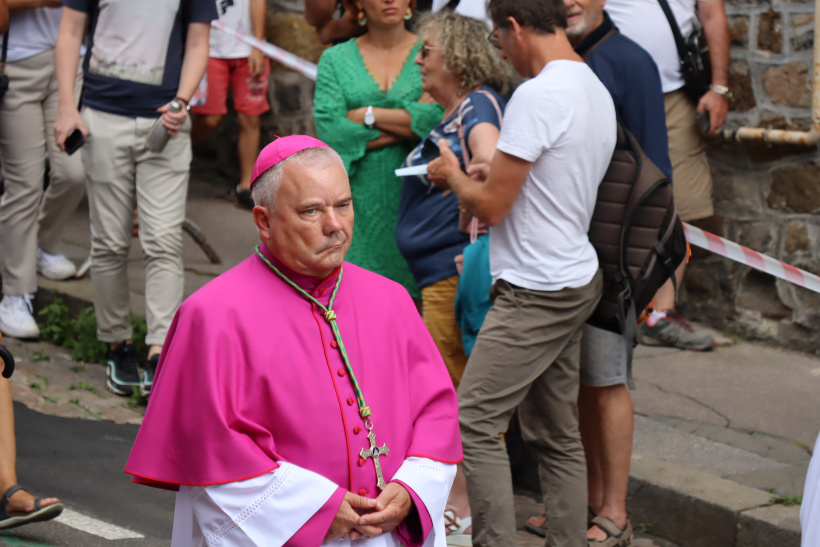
[475, 9]
[235, 14]
[645, 23]
[563, 121]
[32, 32]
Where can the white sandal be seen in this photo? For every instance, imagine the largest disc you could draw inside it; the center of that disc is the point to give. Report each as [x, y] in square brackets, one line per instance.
[457, 535]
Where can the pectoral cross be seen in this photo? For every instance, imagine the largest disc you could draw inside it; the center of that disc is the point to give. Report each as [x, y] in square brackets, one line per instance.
[374, 452]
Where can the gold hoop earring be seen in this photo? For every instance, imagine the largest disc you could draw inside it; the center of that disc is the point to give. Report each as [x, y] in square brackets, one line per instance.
[362, 18]
[409, 14]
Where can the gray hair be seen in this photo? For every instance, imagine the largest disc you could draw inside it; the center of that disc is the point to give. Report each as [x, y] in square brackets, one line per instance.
[267, 185]
[468, 55]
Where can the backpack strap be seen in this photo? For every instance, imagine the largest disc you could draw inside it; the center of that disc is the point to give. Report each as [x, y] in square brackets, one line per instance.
[465, 150]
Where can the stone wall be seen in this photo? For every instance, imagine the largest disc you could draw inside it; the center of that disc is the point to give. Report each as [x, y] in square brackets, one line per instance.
[766, 196]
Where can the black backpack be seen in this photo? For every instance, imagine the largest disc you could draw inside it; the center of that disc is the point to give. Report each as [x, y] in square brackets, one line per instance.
[637, 234]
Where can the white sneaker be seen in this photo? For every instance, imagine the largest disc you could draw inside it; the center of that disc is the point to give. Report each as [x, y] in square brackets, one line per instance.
[16, 319]
[55, 267]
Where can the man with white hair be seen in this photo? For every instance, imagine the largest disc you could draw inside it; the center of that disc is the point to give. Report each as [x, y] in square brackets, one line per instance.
[293, 406]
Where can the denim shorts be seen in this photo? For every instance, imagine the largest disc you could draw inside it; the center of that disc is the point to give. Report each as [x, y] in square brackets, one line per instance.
[604, 359]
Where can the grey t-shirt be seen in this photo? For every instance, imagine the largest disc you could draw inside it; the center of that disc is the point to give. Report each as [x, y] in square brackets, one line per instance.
[135, 52]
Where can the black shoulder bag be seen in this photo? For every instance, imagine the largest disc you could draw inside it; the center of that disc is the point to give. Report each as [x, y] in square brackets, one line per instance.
[693, 52]
[4, 79]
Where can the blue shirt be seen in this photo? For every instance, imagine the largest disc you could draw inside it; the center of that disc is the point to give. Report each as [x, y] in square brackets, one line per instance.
[427, 229]
[631, 77]
[135, 50]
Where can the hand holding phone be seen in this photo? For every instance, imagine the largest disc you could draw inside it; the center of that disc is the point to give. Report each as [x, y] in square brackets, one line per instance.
[704, 124]
[74, 141]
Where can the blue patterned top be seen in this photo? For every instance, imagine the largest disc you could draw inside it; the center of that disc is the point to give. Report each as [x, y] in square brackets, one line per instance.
[427, 229]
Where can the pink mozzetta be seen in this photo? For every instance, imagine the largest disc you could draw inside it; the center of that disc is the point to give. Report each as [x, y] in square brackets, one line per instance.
[249, 376]
[280, 149]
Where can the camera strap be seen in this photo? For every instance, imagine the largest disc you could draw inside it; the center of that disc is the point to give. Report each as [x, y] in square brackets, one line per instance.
[673, 23]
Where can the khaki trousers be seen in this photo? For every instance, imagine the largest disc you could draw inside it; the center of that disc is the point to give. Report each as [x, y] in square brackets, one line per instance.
[30, 217]
[691, 176]
[439, 314]
[528, 356]
[121, 171]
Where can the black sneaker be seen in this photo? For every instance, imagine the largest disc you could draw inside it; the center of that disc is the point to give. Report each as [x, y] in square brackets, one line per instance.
[244, 198]
[122, 370]
[148, 375]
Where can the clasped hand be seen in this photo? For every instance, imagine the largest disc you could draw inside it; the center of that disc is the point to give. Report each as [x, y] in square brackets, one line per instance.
[360, 517]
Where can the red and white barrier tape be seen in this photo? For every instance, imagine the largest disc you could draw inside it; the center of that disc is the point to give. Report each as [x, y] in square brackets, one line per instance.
[753, 259]
[285, 57]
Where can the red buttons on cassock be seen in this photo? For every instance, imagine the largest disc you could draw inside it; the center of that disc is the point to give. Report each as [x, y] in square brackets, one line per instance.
[321, 292]
[334, 344]
[342, 372]
[357, 430]
[363, 492]
[350, 401]
[361, 462]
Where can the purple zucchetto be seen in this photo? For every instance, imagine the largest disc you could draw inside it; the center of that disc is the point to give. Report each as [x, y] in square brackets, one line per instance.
[281, 148]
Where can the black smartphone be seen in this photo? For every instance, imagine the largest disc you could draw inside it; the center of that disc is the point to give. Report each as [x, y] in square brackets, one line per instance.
[429, 150]
[74, 141]
[703, 122]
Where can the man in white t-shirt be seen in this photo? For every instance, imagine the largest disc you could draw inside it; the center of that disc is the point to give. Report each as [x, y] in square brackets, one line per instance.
[555, 146]
[644, 22]
[245, 70]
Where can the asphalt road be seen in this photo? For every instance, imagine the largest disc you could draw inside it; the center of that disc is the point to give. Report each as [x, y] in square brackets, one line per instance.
[81, 462]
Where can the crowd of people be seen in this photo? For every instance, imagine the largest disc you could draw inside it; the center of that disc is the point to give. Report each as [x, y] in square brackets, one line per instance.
[488, 237]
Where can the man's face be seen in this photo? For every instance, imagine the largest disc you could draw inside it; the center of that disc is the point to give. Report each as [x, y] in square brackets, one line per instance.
[504, 39]
[583, 16]
[311, 227]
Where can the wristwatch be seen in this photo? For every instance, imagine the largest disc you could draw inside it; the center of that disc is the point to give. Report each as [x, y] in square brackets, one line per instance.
[369, 118]
[721, 90]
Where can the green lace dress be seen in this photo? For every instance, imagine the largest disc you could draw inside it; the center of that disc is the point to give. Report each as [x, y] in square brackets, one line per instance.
[343, 84]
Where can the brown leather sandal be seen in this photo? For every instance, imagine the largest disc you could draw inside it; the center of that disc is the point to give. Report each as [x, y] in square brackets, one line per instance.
[615, 537]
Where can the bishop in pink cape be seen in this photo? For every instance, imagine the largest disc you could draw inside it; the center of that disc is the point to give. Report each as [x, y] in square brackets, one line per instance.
[251, 381]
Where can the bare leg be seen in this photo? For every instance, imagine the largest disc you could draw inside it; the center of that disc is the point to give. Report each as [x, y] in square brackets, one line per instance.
[665, 297]
[201, 125]
[8, 446]
[458, 502]
[248, 147]
[21, 501]
[606, 421]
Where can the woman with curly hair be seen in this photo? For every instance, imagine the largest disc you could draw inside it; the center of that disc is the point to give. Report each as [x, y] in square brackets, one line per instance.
[463, 73]
[368, 106]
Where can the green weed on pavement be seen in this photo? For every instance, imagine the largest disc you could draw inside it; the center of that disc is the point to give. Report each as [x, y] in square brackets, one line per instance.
[79, 334]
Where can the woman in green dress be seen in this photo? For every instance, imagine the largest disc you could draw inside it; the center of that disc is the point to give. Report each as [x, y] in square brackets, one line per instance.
[370, 108]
